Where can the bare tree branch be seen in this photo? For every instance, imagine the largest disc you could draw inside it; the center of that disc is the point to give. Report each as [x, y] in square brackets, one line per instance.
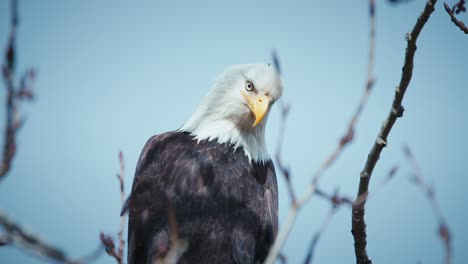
[37, 245]
[123, 218]
[14, 94]
[109, 246]
[444, 231]
[106, 240]
[358, 222]
[456, 9]
[15, 234]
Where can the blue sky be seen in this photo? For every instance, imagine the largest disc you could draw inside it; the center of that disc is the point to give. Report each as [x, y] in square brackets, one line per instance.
[113, 73]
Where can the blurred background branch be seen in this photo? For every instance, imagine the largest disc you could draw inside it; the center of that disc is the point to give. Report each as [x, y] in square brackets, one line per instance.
[107, 240]
[15, 93]
[457, 8]
[38, 246]
[428, 190]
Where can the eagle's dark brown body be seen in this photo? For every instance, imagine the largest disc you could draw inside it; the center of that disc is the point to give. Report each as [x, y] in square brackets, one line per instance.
[225, 205]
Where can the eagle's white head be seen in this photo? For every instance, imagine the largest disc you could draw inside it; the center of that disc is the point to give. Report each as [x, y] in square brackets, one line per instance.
[236, 109]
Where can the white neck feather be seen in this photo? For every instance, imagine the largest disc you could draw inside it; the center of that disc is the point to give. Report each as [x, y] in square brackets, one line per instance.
[206, 124]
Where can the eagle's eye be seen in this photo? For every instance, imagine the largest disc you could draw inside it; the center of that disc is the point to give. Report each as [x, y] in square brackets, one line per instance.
[249, 86]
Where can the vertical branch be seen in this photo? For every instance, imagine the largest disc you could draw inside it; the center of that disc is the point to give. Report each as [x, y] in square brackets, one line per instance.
[358, 222]
[13, 94]
[9, 148]
[284, 114]
[106, 240]
[284, 170]
[123, 217]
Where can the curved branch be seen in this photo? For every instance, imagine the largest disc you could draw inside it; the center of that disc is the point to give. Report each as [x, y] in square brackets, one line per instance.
[396, 110]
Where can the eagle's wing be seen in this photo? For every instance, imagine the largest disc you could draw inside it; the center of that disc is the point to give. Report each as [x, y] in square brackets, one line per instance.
[145, 202]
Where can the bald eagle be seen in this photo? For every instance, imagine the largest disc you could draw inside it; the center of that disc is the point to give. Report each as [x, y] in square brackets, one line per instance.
[217, 167]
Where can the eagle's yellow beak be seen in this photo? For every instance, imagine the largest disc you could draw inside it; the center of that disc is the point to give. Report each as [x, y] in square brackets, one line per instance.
[258, 104]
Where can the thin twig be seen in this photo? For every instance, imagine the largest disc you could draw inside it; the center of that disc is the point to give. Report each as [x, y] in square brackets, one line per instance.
[358, 222]
[444, 231]
[109, 246]
[120, 176]
[457, 8]
[337, 200]
[106, 240]
[344, 141]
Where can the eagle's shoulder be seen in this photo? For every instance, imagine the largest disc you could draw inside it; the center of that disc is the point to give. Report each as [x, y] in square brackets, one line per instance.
[158, 144]
[157, 149]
